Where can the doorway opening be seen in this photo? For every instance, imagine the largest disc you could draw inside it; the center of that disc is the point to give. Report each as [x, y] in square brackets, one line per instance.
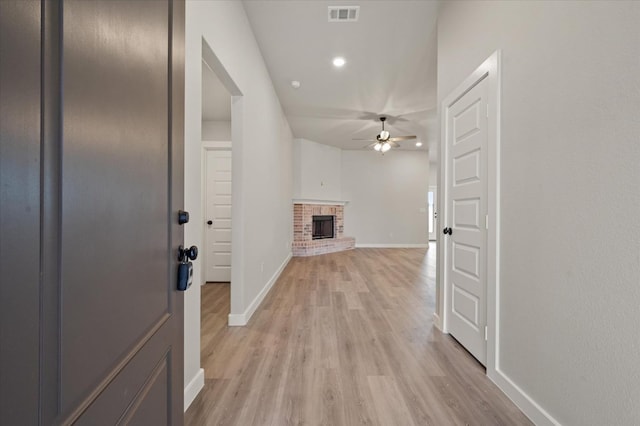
[432, 197]
[216, 177]
[218, 118]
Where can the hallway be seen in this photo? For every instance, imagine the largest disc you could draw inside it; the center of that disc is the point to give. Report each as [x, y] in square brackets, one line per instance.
[343, 339]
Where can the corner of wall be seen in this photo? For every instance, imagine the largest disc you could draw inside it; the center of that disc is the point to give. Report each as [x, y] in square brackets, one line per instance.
[242, 319]
[193, 388]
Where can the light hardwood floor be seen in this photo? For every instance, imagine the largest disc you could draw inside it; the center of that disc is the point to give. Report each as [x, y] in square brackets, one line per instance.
[343, 339]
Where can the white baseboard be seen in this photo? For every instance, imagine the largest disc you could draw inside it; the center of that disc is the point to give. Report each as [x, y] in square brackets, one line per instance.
[437, 321]
[392, 245]
[193, 388]
[237, 320]
[538, 415]
[243, 318]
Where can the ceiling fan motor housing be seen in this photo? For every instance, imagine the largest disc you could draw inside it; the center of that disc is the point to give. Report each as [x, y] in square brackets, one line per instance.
[384, 135]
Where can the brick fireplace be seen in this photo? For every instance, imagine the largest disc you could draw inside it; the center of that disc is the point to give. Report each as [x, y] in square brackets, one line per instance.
[303, 242]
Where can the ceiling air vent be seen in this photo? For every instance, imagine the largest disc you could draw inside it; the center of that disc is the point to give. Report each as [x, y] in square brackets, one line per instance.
[343, 13]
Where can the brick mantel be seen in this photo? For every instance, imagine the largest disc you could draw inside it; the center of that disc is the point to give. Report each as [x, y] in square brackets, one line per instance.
[303, 242]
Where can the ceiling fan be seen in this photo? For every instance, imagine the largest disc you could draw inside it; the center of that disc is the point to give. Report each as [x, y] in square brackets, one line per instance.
[383, 141]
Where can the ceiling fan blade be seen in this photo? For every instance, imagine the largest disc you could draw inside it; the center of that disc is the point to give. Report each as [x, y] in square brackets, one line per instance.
[402, 138]
[371, 145]
[393, 144]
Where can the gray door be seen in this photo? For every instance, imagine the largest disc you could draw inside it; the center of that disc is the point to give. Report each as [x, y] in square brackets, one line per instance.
[91, 180]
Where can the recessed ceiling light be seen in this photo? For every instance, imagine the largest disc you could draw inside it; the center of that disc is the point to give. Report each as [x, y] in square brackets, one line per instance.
[418, 144]
[295, 84]
[339, 62]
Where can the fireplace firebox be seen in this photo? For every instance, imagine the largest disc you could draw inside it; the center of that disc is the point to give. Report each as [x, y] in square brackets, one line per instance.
[323, 227]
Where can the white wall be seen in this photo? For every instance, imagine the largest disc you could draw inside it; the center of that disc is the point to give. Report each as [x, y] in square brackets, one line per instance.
[262, 159]
[316, 171]
[433, 174]
[386, 193]
[216, 130]
[570, 178]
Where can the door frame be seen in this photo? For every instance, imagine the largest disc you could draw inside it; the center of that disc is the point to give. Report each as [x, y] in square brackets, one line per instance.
[211, 146]
[490, 70]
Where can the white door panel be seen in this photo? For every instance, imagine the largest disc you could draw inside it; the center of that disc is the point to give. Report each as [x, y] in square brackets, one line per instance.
[218, 211]
[466, 260]
[465, 306]
[223, 200]
[222, 248]
[222, 176]
[466, 213]
[222, 224]
[222, 260]
[466, 162]
[466, 167]
[222, 235]
[221, 187]
[222, 212]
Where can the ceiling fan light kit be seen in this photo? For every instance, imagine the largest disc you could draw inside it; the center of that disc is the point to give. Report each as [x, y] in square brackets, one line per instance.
[384, 142]
[382, 147]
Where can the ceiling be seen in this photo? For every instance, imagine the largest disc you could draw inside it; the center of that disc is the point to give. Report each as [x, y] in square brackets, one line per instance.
[216, 100]
[390, 70]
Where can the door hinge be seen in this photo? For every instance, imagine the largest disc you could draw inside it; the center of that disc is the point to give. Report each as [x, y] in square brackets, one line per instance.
[486, 221]
[486, 333]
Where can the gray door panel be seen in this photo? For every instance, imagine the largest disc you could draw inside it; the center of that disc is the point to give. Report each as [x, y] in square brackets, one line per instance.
[114, 185]
[19, 210]
[91, 117]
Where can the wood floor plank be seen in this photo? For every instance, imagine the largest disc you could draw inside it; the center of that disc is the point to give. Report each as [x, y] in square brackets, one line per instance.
[343, 339]
[390, 406]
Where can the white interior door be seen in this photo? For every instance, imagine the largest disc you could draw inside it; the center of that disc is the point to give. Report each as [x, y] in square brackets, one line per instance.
[432, 198]
[466, 197]
[218, 216]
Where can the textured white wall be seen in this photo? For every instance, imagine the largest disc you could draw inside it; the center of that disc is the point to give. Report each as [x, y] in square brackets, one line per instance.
[386, 193]
[262, 159]
[216, 131]
[570, 178]
[317, 171]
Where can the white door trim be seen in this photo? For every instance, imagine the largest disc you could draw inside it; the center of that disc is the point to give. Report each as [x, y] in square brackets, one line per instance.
[209, 146]
[490, 70]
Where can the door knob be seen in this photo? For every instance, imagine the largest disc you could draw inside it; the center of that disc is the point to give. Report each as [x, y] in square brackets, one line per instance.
[183, 217]
[185, 254]
[209, 222]
[446, 231]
